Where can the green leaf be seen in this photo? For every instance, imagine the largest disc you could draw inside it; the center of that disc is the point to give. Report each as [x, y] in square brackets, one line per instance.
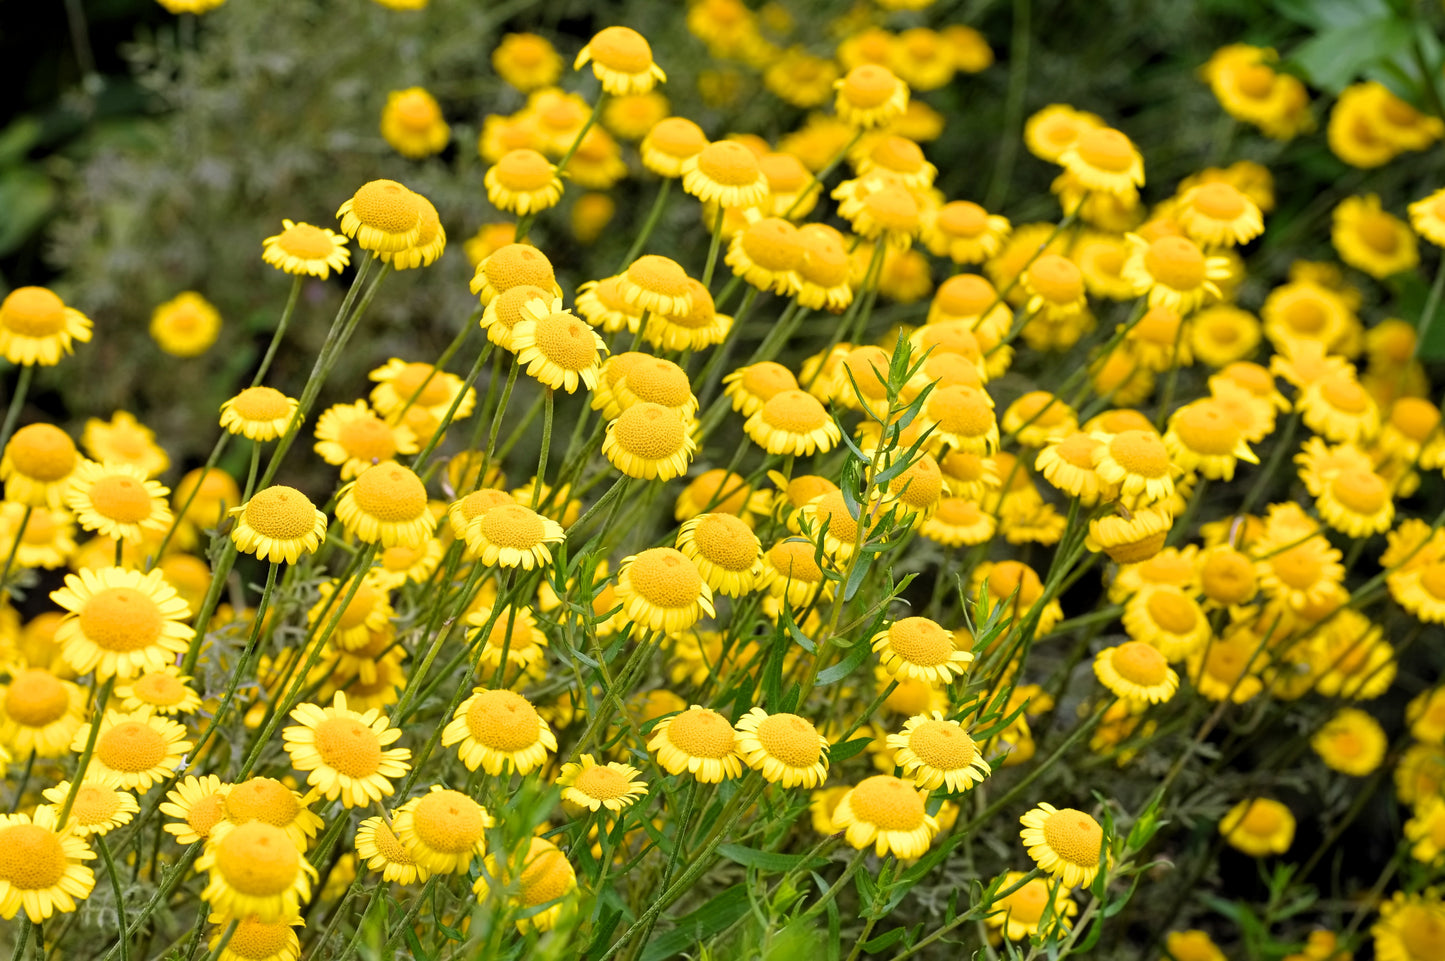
[1335, 58]
[768, 861]
[888, 940]
[1324, 14]
[849, 664]
[848, 749]
[715, 916]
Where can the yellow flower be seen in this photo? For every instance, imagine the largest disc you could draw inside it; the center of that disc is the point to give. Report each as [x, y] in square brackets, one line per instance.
[937, 753]
[278, 524]
[354, 438]
[254, 939]
[1192, 945]
[526, 61]
[1259, 827]
[1021, 914]
[377, 843]
[510, 535]
[98, 806]
[725, 172]
[382, 216]
[37, 328]
[1065, 842]
[964, 232]
[512, 265]
[255, 871]
[1174, 272]
[559, 350]
[1376, 242]
[37, 466]
[268, 800]
[200, 803]
[186, 325]
[412, 123]
[121, 622]
[345, 752]
[500, 732]
[431, 240]
[888, 814]
[39, 712]
[698, 741]
[649, 441]
[786, 748]
[40, 867]
[869, 96]
[1136, 671]
[622, 60]
[1427, 216]
[443, 830]
[165, 691]
[1352, 742]
[1137, 462]
[1411, 926]
[259, 413]
[1249, 89]
[1204, 438]
[546, 878]
[124, 440]
[589, 785]
[386, 504]
[669, 144]
[134, 750]
[523, 182]
[301, 249]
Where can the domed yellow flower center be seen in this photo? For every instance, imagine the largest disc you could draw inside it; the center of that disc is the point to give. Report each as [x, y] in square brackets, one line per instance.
[966, 295]
[517, 265]
[1175, 262]
[1299, 567]
[1141, 453]
[1026, 905]
[411, 378]
[677, 137]
[1421, 931]
[1159, 327]
[920, 641]
[1140, 663]
[1219, 201]
[1377, 229]
[726, 541]
[785, 172]
[1077, 450]
[546, 877]
[477, 503]
[36, 698]
[261, 799]
[306, 242]
[1227, 576]
[957, 512]
[703, 733]
[348, 746]
[448, 821]
[206, 814]
[388, 844]
[1056, 279]
[729, 163]
[602, 782]
[1345, 394]
[767, 379]
[390, 492]
[1105, 149]
[920, 485]
[773, 244]
[163, 690]
[1361, 490]
[793, 560]
[387, 206]
[832, 509]
[1207, 429]
[1347, 741]
[566, 341]
[1041, 409]
[795, 412]
[367, 438]
[42, 452]
[1255, 80]
[256, 940]
[888, 803]
[791, 739]
[664, 577]
[1432, 579]
[1172, 612]
[95, 804]
[503, 720]
[900, 154]
[1073, 836]
[1008, 576]
[1226, 662]
[825, 262]
[622, 49]
[893, 207]
[131, 746]
[31, 857]
[943, 745]
[962, 410]
[650, 431]
[120, 498]
[868, 86]
[257, 859]
[121, 619]
[416, 110]
[512, 525]
[524, 170]
[33, 312]
[261, 404]
[662, 275]
[281, 513]
[1415, 417]
[1261, 819]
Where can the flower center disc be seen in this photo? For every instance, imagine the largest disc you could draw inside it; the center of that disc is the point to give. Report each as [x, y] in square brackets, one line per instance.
[664, 577]
[888, 802]
[261, 799]
[700, 732]
[1106, 149]
[387, 206]
[348, 746]
[602, 783]
[36, 698]
[503, 721]
[390, 492]
[368, 438]
[1362, 491]
[1172, 612]
[1219, 201]
[1175, 262]
[131, 746]
[1140, 452]
[42, 452]
[1377, 230]
[1056, 279]
[306, 242]
[1074, 836]
[518, 264]
[726, 541]
[566, 342]
[258, 859]
[448, 821]
[921, 641]
[790, 739]
[281, 513]
[1140, 663]
[943, 745]
[650, 431]
[512, 525]
[120, 498]
[31, 857]
[121, 619]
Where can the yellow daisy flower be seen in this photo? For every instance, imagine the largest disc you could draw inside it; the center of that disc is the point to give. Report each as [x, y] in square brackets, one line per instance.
[1372, 240]
[134, 750]
[268, 800]
[588, 785]
[919, 648]
[38, 464]
[937, 753]
[116, 500]
[255, 871]
[121, 622]
[382, 217]
[443, 830]
[378, 845]
[622, 60]
[1259, 827]
[98, 806]
[1065, 842]
[1352, 742]
[412, 122]
[558, 349]
[259, 413]
[37, 328]
[1136, 671]
[1167, 617]
[1104, 160]
[1174, 272]
[186, 325]
[41, 869]
[887, 813]
[302, 249]
[523, 182]
[200, 803]
[669, 144]
[1020, 915]
[546, 878]
[278, 524]
[40, 712]
[386, 504]
[870, 96]
[786, 748]
[254, 939]
[1410, 926]
[1204, 438]
[649, 441]
[699, 741]
[510, 535]
[165, 691]
[124, 440]
[499, 731]
[345, 752]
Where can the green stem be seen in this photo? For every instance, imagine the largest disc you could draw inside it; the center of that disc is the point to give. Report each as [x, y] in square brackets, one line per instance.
[243, 669]
[419, 464]
[12, 413]
[280, 331]
[98, 709]
[653, 216]
[546, 446]
[1432, 303]
[15, 548]
[497, 416]
[717, 229]
[1018, 76]
[225, 940]
[123, 939]
[210, 465]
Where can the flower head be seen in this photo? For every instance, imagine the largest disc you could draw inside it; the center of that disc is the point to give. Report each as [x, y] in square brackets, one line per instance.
[1065, 842]
[41, 867]
[499, 731]
[37, 328]
[302, 249]
[278, 524]
[345, 751]
[622, 59]
[887, 813]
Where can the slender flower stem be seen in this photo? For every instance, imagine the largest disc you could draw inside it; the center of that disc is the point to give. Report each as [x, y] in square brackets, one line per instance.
[12, 413]
[195, 491]
[243, 669]
[717, 229]
[1432, 303]
[15, 547]
[421, 459]
[122, 938]
[653, 216]
[546, 446]
[822, 174]
[497, 416]
[280, 331]
[98, 713]
[225, 940]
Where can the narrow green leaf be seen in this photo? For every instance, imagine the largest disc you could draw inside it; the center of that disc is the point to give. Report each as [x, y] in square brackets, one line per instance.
[768, 861]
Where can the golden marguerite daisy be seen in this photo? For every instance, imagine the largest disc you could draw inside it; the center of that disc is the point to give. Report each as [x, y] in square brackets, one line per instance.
[545, 880]
[1411, 926]
[1020, 915]
[725, 172]
[302, 249]
[268, 800]
[382, 216]
[1427, 216]
[278, 524]
[1137, 462]
[255, 940]
[600, 303]
[40, 712]
[259, 413]
[98, 806]
[1174, 272]
[1065, 842]
[669, 143]
[386, 504]
[962, 416]
[378, 845]
[785, 748]
[887, 813]
[590, 786]
[443, 830]
[699, 741]
[199, 803]
[791, 572]
[186, 325]
[134, 750]
[662, 590]
[1203, 437]
[41, 867]
[400, 385]
[255, 871]
[870, 95]
[916, 647]
[510, 535]
[513, 265]
[37, 328]
[1420, 589]
[121, 623]
[752, 386]
[1136, 671]
[654, 282]
[1371, 239]
[727, 553]
[937, 753]
[1219, 214]
[558, 349]
[1351, 742]
[500, 732]
[1356, 501]
[345, 751]
[1105, 160]
[38, 463]
[1258, 826]
[622, 59]
[124, 440]
[767, 253]
[164, 691]
[412, 123]
[116, 500]
[793, 422]
[523, 182]
[700, 327]
[1167, 617]
[354, 438]
[649, 441]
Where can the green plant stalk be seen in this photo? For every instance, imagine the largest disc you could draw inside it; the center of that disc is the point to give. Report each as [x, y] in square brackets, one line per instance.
[1432, 302]
[15, 547]
[102, 696]
[419, 464]
[225, 940]
[206, 469]
[123, 939]
[243, 668]
[496, 428]
[168, 884]
[679, 839]
[280, 331]
[717, 229]
[653, 216]
[208, 606]
[17, 401]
